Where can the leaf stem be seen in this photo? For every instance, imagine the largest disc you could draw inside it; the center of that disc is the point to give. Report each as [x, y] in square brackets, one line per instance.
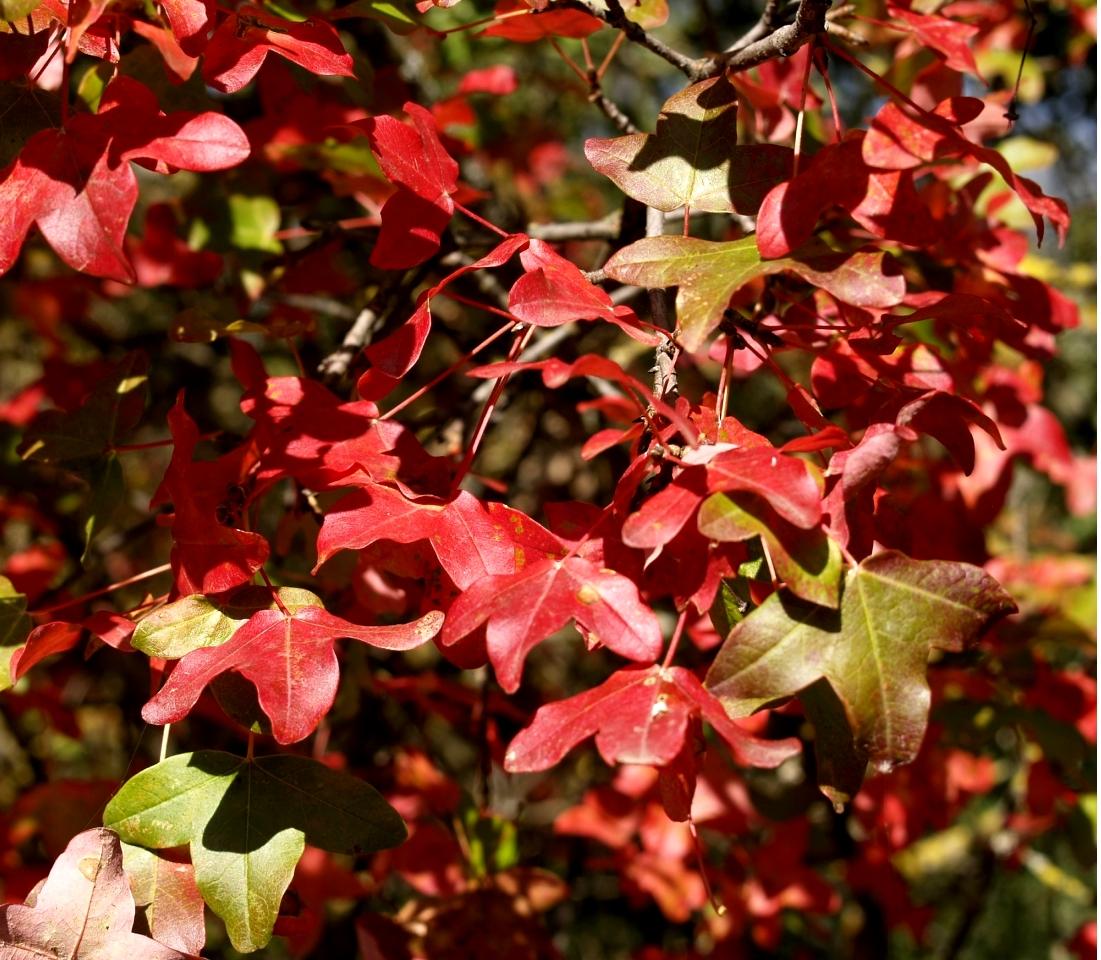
[721, 401]
[821, 64]
[674, 641]
[618, 42]
[479, 305]
[712, 898]
[274, 593]
[802, 115]
[518, 344]
[569, 61]
[443, 375]
[118, 585]
[164, 742]
[479, 219]
[882, 81]
[484, 20]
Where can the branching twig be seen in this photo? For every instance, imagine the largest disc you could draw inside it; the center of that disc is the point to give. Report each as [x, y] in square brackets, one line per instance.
[762, 28]
[810, 20]
[763, 42]
[368, 322]
[615, 16]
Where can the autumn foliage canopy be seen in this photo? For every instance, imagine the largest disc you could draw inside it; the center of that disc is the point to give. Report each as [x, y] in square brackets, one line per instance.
[540, 480]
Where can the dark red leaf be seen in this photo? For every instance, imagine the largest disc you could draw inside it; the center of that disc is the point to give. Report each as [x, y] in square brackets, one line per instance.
[899, 140]
[210, 553]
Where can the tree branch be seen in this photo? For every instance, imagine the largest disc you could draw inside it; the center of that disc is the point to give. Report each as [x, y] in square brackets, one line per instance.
[665, 355]
[763, 42]
[333, 367]
[603, 229]
[762, 28]
[622, 122]
[810, 20]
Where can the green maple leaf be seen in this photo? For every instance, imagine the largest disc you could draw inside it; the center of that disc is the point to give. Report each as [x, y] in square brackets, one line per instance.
[247, 823]
[872, 652]
[708, 274]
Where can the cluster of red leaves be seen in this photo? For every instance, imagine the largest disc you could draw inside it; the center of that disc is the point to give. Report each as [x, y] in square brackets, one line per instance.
[882, 232]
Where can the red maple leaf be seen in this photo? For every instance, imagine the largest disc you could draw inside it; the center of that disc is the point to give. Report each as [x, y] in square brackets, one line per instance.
[425, 176]
[532, 21]
[243, 41]
[884, 202]
[42, 642]
[467, 542]
[949, 38]
[553, 291]
[638, 716]
[76, 184]
[304, 431]
[551, 586]
[210, 552]
[289, 658]
[899, 140]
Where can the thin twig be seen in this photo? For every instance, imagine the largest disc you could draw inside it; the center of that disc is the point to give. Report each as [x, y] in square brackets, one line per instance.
[607, 228]
[615, 16]
[762, 28]
[622, 122]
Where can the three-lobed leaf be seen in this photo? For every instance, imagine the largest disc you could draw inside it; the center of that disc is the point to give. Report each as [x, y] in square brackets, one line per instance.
[522, 609]
[288, 655]
[247, 823]
[707, 274]
[84, 911]
[638, 716]
[873, 651]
